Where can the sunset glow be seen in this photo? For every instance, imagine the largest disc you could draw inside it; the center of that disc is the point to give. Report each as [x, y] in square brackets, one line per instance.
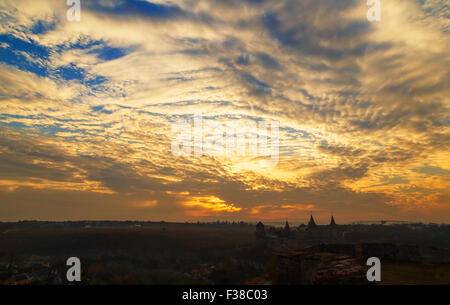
[88, 109]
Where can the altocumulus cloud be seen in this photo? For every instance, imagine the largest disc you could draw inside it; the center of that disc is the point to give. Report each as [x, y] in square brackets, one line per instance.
[87, 108]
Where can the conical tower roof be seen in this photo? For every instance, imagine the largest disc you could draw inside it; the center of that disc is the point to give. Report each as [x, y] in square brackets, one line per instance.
[332, 222]
[311, 223]
[286, 226]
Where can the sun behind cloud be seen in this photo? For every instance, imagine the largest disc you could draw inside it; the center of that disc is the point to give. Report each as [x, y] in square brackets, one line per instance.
[87, 109]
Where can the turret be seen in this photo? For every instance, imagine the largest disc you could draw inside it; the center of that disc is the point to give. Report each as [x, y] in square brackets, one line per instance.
[286, 227]
[311, 223]
[260, 231]
[332, 222]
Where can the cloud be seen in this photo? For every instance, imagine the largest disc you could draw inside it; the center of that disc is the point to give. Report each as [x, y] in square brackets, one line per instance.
[87, 108]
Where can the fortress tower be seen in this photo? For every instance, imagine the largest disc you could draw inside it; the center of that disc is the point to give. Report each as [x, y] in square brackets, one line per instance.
[311, 223]
[260, 231]
[332, 222]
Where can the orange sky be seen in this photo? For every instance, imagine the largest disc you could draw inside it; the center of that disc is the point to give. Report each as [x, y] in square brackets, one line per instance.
[90, 111]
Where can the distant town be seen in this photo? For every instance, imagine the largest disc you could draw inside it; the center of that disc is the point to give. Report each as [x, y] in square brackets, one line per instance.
[223, 252]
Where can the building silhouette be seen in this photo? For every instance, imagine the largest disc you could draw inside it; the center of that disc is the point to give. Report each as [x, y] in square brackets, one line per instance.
[311, 223]
[286, 227]
[332, 222]
[260, 231]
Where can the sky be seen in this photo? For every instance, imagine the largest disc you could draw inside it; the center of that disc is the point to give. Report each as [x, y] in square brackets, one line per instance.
[90, 110]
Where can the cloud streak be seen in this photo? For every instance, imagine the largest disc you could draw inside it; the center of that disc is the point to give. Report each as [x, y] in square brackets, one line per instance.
[87, 108]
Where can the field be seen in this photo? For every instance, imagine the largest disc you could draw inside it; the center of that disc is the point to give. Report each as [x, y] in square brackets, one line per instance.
[148, 254]
[148, 239]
